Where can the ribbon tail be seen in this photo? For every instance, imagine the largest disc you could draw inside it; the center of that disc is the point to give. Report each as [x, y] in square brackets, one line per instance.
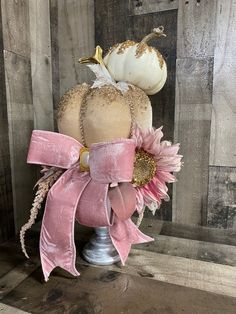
[57, 247]
[125, 233]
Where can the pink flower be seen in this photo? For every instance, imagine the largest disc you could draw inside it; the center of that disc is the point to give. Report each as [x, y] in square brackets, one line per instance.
[155, 162]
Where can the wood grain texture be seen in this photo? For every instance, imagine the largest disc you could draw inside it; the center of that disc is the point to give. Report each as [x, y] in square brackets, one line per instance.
[20, 119]
[75, 35]
[196, 28]
[7, 309]
[137, 7]
[111, 22]
[222, 197]
[223, 130]
[15, 20]
[6, 197]
[191, 249]
[199, 233]
[100, 290]
[205, 276]
[54, 53]
[16, 275]
[192, 130]
[41, 71]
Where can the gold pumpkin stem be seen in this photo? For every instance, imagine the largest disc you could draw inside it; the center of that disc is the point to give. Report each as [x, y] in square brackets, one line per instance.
[156, 33]
[96, 58]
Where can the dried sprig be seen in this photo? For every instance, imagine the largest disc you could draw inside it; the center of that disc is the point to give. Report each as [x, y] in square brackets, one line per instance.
[140, 217]
[49, 178]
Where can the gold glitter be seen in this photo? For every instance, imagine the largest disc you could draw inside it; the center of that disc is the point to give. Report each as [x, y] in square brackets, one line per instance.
[124, 45]
[111, 49]
[160, 58]
[141, 49]
[66, 99]
[144, 168]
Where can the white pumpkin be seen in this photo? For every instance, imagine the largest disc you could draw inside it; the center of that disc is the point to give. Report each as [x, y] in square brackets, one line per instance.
[138, 63]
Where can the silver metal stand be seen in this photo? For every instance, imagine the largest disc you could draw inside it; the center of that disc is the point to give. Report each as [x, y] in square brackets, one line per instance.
[100, 250]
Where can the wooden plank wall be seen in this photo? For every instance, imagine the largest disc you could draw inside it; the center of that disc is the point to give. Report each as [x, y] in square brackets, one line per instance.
[222, 171]
[6, 198]
[205, 117]
[72, 36]
[16, 42]
[26, 44]
[194, 75]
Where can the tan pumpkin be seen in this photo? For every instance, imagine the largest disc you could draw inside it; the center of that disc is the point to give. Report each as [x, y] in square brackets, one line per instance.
[106, 114]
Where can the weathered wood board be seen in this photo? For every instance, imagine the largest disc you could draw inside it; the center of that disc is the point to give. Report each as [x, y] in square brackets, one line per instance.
[53, 9]
[111, 22]
[196, 28]
[7, 309]
[15, 23]
[145, 272]
[181, 271]
[6, 197]
[192, 130]
[137, 7]
[222, 197]
[75, 36]
[223, 127]
[99, 290]
[191, 232]
[21, 124]
[41, 71]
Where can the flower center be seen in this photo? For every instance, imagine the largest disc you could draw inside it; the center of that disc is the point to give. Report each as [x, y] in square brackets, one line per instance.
[144, 168]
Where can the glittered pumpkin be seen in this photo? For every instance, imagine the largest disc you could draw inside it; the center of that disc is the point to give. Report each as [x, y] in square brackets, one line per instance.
[138, 63]
[93, 115]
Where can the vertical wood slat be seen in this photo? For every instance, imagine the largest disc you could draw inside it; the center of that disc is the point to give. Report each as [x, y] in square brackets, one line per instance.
[222, 197]
[196, 28]
[41, 70]
[192, 128]
[223, 130]
[195, 49]
[19, 102]
[111, 22]
[6, 198]
[15, 19]
[21, 123]
[222, 183]
[75, 37]
[26, 33]
[54, 52]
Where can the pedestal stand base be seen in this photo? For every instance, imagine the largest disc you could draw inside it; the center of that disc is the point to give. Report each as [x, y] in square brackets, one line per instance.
[100, 250]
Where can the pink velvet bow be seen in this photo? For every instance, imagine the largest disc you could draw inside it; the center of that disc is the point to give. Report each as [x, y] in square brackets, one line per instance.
[85, 196]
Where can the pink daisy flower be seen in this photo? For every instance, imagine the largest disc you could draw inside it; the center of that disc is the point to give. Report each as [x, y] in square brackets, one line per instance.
[154, 163]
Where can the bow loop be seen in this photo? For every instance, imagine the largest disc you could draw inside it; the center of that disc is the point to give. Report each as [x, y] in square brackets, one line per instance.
[53, 149]
[113, 161]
